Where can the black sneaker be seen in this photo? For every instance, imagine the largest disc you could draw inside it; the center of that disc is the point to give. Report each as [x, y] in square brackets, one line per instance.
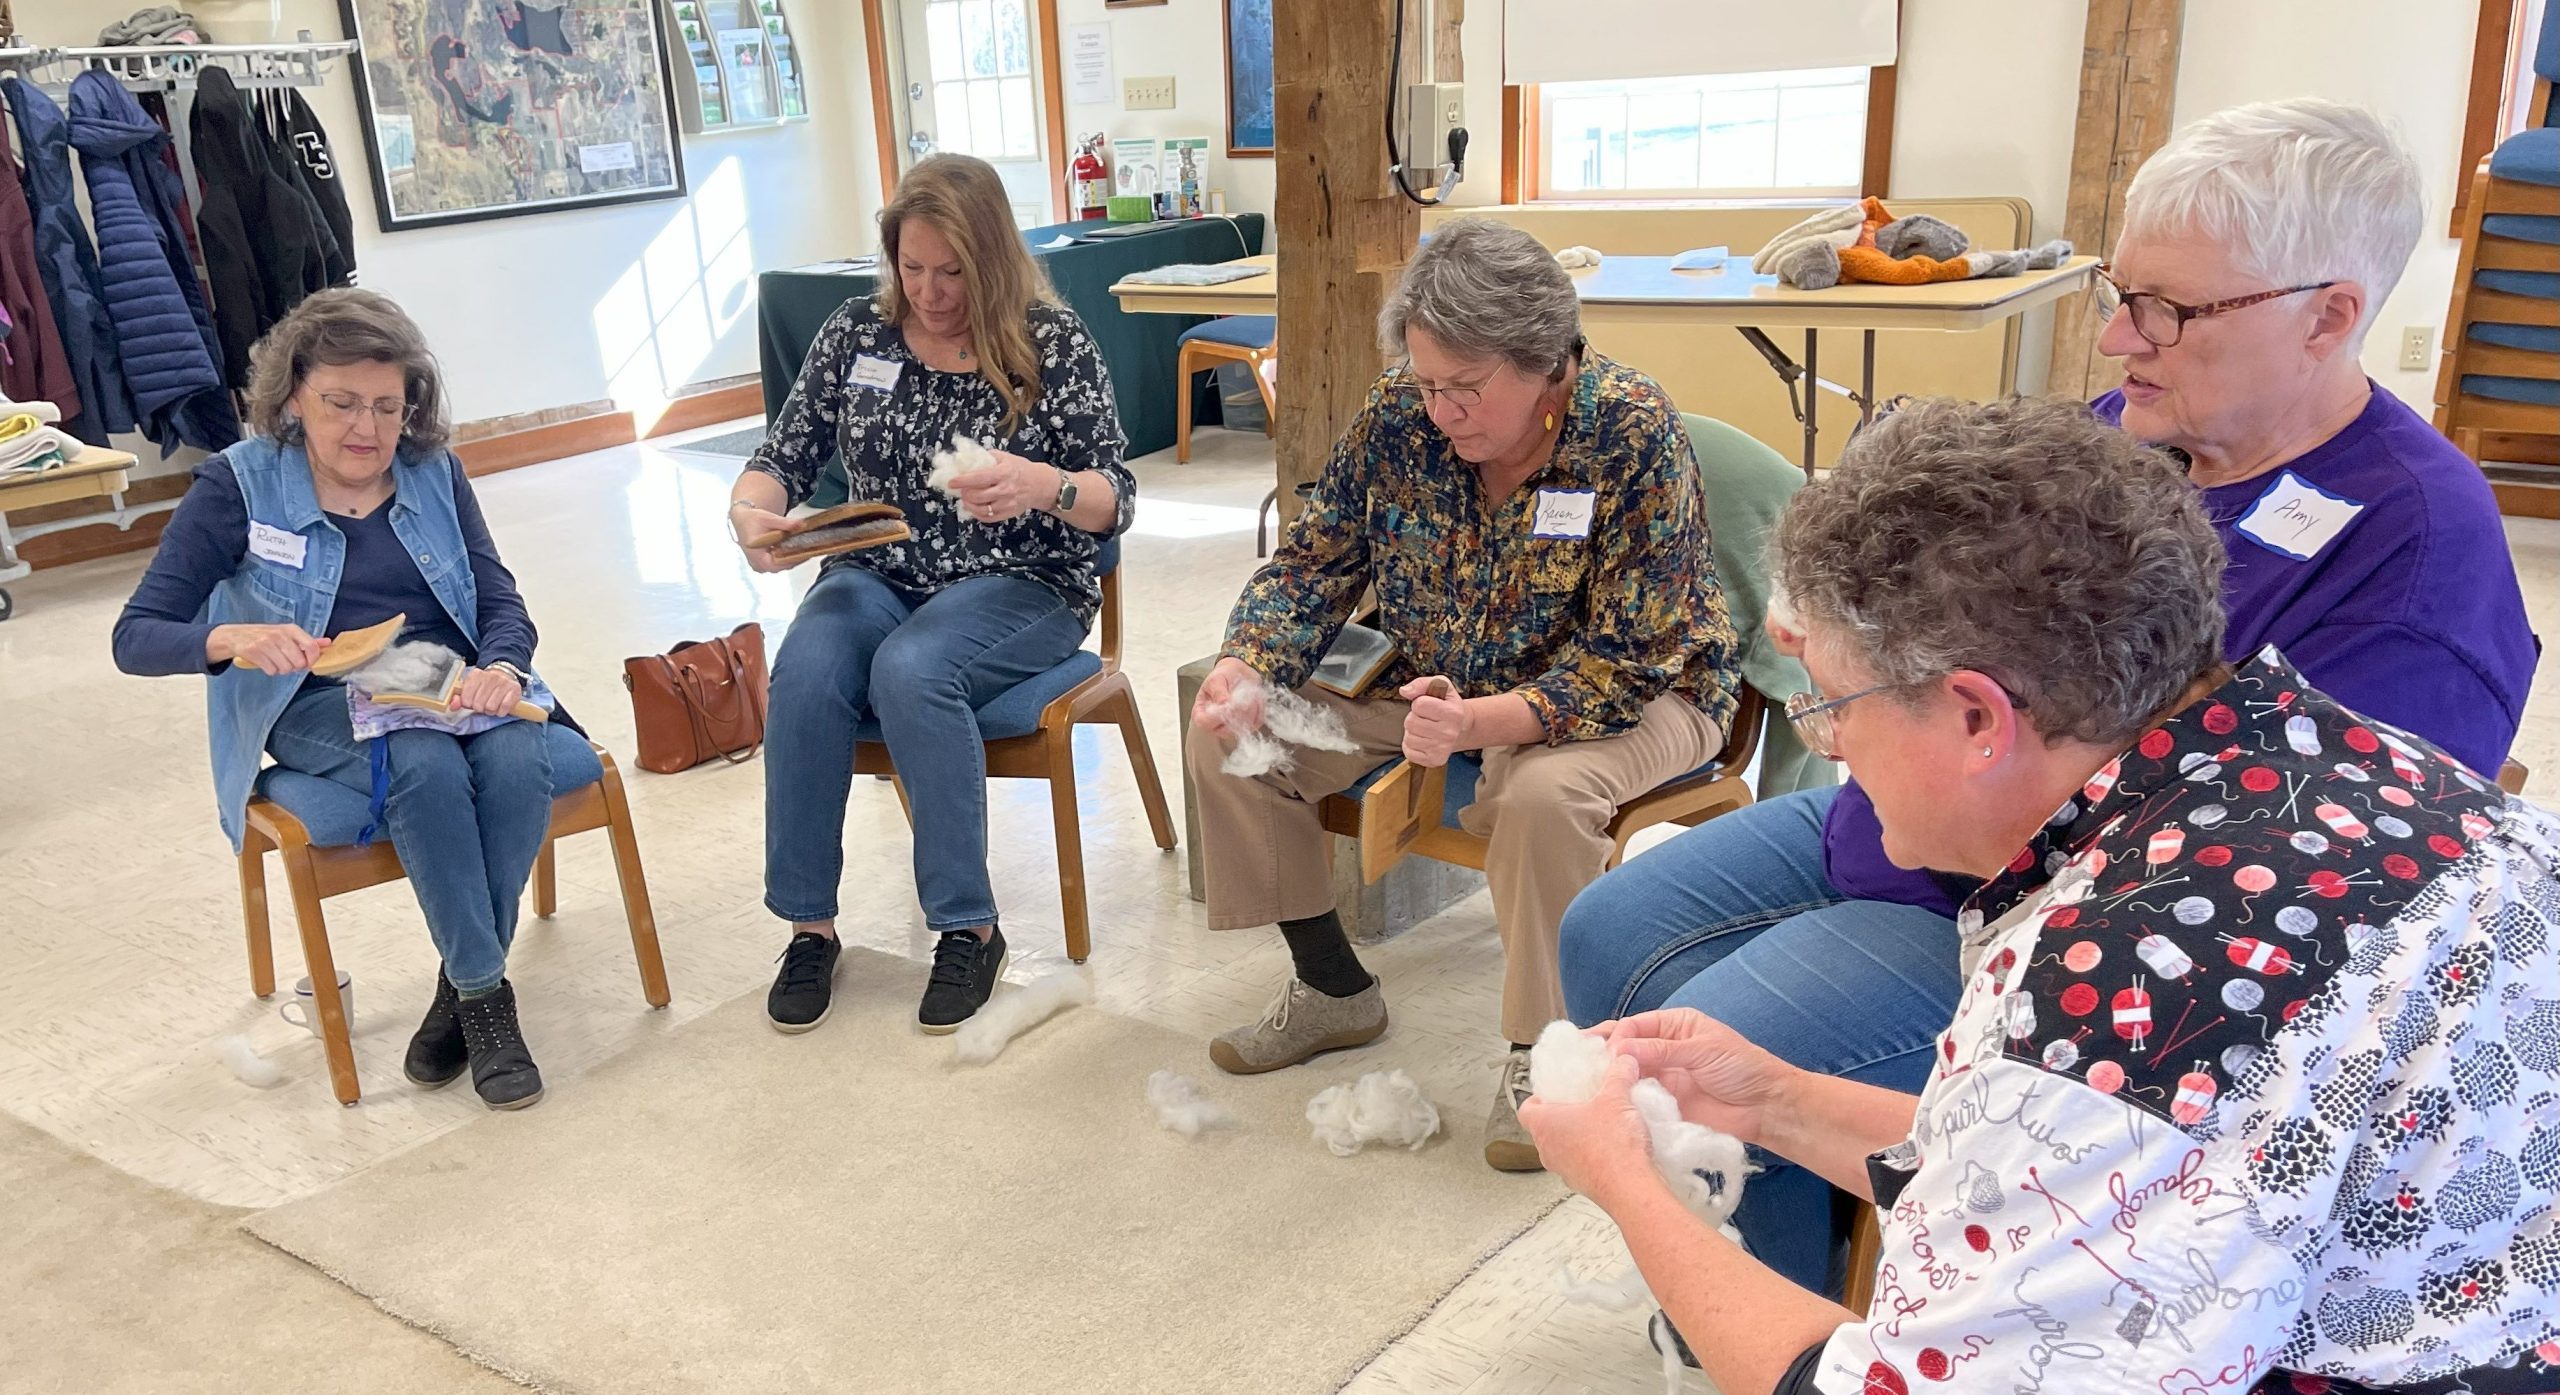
[1659, 1330]
[502, 1067]
[965, 970]
[436, 1052]
[805, 991]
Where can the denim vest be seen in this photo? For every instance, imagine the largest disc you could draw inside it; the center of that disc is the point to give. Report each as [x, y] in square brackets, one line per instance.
[242, 704]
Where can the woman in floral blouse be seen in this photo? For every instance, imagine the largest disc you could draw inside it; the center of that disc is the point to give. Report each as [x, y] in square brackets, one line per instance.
[997, 585]
[1529, 517]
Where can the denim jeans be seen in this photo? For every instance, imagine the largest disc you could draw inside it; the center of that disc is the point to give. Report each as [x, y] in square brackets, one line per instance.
[1737, 919]
[466, 814]
[922, 666]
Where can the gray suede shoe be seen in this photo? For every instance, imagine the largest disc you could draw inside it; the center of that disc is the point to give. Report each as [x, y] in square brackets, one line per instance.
[1301, 1024]
[1506, 1144]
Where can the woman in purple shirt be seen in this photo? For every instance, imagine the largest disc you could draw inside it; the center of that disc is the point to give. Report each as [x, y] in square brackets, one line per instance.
[2258, 246]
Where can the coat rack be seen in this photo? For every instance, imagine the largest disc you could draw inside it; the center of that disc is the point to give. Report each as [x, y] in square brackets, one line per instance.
[173, 67]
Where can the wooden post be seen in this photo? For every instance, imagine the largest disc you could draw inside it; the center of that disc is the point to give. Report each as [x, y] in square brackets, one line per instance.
[1344, 231]
[2128, 79]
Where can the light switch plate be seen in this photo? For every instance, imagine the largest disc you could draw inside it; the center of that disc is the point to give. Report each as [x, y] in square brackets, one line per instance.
[1147, 93]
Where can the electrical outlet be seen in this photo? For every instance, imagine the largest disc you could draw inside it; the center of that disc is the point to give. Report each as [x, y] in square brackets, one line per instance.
[1147, 93]
[2417, 348]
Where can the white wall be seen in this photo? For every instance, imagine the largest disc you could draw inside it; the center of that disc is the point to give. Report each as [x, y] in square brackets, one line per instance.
[1186, 40]
[627, 303]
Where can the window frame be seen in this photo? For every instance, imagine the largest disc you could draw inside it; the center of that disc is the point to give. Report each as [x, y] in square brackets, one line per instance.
[1524, 152]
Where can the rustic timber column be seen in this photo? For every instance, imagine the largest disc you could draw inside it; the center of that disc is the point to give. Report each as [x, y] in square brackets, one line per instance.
[1344, 231]
[2128, 78]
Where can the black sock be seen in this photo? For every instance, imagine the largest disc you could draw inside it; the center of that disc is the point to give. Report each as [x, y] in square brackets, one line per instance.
[1519, 1046]
[1323, 954]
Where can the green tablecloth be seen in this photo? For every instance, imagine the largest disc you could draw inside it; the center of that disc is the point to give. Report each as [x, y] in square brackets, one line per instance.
[1138, 349]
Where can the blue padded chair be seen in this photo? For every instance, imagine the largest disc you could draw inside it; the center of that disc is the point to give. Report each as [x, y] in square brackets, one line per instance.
[2501, 373]
[1245, 339]
[1030, 734]
[1401, 809]
[313, 824]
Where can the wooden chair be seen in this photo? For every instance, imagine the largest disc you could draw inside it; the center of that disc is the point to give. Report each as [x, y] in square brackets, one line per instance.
[334, 866]
[2498, 392]
[1030, 735]
[1245, 339]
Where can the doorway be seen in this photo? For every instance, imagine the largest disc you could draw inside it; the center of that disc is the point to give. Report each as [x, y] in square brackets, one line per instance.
[976, 77]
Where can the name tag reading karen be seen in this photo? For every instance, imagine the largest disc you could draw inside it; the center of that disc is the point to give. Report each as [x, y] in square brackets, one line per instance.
[1564, 513]
[878, 374]
[2296, 518]
[273, 544]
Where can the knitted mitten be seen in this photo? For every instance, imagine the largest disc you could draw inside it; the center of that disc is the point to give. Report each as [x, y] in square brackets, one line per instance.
[1809, 265]
[1921, 236]
[1833, 227]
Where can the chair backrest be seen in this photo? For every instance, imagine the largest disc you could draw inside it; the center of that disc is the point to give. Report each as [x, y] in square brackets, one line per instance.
[1747, 486]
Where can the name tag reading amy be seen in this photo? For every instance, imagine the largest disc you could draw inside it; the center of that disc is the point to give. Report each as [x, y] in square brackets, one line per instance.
[1564, 513]
[2297, 518]
[271, 543]
[879, 374]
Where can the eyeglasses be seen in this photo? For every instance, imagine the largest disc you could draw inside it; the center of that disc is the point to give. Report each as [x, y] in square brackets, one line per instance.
[1465, 399]
[347, 409]
[2163, 321]
[1811, 713]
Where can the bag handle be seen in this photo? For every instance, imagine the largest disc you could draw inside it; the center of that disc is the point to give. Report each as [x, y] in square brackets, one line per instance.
[698, 708]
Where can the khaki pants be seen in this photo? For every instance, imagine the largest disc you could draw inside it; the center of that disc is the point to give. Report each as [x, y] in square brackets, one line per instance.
[1545, 810]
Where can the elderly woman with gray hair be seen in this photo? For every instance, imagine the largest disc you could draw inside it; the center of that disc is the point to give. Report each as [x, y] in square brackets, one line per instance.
[1529, 517]
[2259, 244]
[344, 511]
[2248, 1084]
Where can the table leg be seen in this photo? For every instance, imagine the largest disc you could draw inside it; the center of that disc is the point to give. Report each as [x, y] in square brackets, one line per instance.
[1812, 397]
[1867, 385]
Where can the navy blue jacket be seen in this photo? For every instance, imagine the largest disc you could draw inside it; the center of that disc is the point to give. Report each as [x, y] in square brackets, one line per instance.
[171, 359]
[68, 266]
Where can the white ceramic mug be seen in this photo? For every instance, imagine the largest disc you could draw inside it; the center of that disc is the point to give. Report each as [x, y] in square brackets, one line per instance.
[309, 1018]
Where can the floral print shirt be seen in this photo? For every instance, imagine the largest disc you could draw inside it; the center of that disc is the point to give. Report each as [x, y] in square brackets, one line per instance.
[863, 397]
[2255, 1083]
[1589, 591]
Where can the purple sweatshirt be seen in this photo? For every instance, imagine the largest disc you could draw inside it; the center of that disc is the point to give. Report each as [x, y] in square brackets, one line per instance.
[2395, 594]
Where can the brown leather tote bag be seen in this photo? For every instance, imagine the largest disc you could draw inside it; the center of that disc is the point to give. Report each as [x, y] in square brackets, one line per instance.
[699, 701]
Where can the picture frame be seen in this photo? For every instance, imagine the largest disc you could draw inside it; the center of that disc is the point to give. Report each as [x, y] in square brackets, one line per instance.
[1252, 102]
[463, 130]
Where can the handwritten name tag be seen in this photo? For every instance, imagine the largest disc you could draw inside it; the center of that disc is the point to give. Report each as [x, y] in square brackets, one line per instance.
[2297, 518]
[1564, 513]
[276, 545]
[879, 374]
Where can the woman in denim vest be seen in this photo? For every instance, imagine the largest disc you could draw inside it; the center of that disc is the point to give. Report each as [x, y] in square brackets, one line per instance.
[344, 510]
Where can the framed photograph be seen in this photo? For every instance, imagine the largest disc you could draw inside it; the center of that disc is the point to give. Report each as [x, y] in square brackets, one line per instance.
[1252, 106]
[474, 111]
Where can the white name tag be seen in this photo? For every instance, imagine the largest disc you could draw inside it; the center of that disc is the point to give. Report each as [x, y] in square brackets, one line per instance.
[1564, 513]
[274, 544]
[2297, 518]
[880, 374]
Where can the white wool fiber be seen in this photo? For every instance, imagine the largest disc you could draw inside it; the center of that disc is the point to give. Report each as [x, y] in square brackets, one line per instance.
[1010, 1014]
[1287, 720]
[413, 666]
[1704, 1166]
[1381, 1107]
[1181, 1107]
[1617, 1295]
[1565, 1066]
[254, 1070]
[966, 454]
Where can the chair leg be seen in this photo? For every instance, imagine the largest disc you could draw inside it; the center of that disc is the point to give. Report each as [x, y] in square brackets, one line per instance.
[253, 916]
[1123, 708]
[1270, 407]
[1062, 810]
[305, 882]
[1182, 371]
[546, 880]
[905, 805]
[635, 890]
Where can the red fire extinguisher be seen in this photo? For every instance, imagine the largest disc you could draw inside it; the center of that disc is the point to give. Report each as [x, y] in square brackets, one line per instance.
[1089, 180]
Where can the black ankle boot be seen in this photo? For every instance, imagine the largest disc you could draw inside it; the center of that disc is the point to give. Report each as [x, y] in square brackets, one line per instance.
[436, 1052]
[502, 1069]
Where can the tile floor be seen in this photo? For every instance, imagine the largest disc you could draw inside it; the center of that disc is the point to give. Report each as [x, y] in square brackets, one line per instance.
[121, 962]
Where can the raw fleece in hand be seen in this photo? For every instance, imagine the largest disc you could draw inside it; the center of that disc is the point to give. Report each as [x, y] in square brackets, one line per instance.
[1567, 1067]
[411, 666]
[1009, 1014]
[1287, 720]
[1181, 1107]
[1383, 1107]
[965, 455]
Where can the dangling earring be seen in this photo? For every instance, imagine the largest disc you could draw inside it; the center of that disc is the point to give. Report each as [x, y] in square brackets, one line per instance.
[1547, 422]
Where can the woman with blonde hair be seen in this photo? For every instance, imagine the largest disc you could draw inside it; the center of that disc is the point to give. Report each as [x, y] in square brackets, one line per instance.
[997, 584]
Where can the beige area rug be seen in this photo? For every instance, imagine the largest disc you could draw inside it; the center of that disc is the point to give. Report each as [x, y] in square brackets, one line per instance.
[114, 1285]
[728, 1209]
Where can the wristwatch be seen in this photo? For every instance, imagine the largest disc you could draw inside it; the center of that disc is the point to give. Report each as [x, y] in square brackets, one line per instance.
[1066, 493]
